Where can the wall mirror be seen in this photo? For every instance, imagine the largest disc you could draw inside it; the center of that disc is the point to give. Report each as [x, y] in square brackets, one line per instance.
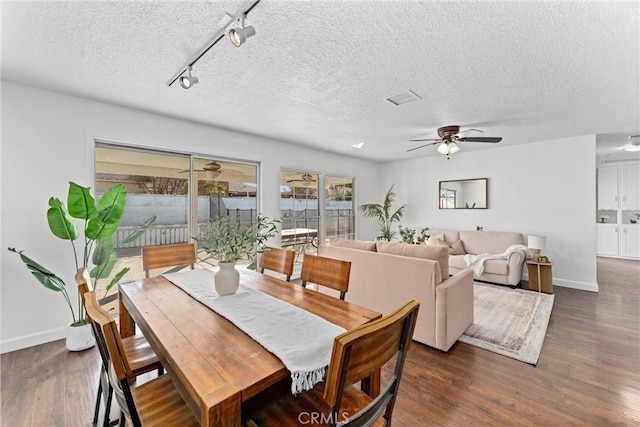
[463, 194]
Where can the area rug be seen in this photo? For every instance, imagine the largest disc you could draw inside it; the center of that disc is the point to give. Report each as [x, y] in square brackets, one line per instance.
[511, 322]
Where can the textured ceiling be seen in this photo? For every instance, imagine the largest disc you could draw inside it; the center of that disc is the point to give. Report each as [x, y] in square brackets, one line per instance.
[318, 73]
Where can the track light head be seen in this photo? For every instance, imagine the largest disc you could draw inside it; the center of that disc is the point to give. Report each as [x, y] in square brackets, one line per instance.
[187, 81]
[240, 34]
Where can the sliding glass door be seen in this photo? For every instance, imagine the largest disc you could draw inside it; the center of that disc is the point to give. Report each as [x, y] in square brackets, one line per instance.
[300, 212]
[181, 191]
[339, 207]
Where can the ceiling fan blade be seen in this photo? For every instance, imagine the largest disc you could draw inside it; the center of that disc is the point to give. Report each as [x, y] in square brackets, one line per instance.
[422, 146]
[423, 140]
[480, 139]
[470, 130]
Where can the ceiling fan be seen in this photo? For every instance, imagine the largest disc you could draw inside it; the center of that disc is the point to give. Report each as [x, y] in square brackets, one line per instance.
[213, 169]
[305, 178]
[449, 138]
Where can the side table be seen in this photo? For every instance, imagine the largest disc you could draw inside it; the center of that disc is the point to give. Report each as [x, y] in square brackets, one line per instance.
[540, 276]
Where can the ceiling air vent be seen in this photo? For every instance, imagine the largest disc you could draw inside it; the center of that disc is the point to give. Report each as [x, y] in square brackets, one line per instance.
[403, 98]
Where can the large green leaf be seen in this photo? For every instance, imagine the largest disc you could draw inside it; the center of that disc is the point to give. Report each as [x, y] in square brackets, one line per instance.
[103, 271]
[111, 205]
[110, 211]
[140, 231]
[80, 202]
[43, 274]
[117, 278]
[102, 252]
[60, 222]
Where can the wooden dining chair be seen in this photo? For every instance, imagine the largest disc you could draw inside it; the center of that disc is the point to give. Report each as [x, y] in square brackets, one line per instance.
[278, 260]
[168, 256]
[356, 355]
[141, 356]
[329, 272]
[156, 402]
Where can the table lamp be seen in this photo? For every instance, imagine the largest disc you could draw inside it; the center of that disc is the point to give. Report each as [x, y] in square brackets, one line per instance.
[537, 243]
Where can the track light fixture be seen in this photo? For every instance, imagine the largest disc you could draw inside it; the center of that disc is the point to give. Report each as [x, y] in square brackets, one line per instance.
[239, 35]
[188, 80]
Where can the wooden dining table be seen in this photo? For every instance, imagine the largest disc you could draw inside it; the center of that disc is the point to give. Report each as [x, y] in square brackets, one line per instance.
[214, 365]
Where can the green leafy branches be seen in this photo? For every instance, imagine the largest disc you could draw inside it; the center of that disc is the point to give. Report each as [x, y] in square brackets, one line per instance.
[384, 215]
[228, 241]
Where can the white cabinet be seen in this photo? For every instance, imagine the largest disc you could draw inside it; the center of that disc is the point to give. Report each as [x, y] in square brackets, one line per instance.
[630, 245]
[608, 188]
[607, 241]
[630, 187]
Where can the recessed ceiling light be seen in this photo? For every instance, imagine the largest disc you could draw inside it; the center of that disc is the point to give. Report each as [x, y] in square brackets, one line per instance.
[358, 145]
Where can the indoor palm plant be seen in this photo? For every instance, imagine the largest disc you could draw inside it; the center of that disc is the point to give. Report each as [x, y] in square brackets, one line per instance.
[385, 214]
[100, 222]
[228, 241]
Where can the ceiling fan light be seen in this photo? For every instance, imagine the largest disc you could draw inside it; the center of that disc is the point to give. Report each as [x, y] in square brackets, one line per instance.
[443, 148]
[453, 148]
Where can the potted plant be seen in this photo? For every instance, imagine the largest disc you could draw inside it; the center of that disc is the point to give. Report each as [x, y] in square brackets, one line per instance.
[228, 242]
[383, 213]
[101, 221]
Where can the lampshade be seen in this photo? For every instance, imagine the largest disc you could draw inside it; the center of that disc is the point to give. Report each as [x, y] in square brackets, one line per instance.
[453, 148]
[443, 148]
[537, 242]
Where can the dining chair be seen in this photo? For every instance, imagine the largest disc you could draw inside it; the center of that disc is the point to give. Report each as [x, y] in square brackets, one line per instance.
[141, 356]
[355, 356]
[329, 272]
[278, 260]
[157, 402]
[168, 256]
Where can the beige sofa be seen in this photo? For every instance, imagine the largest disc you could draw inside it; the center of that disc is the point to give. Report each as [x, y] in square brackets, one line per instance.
[506, 271]
[385, 275]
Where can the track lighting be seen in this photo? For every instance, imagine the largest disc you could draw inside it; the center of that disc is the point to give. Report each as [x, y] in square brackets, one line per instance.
[188, 80]
[237, 35]
[240, 35]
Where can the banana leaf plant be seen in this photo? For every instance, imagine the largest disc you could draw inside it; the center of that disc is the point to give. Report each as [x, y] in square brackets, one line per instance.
[100, 222]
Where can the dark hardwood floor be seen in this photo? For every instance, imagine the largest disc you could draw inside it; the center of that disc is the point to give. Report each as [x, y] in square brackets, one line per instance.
[588, 373]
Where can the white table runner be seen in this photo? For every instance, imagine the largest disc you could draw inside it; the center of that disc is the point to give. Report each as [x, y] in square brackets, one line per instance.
[301, 340]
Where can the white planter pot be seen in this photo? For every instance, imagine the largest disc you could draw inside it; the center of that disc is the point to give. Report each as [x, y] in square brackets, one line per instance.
[226, 279]
[80, 337]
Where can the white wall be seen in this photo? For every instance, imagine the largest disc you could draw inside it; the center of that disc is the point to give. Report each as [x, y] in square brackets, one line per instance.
[47, 140]
[545, 188]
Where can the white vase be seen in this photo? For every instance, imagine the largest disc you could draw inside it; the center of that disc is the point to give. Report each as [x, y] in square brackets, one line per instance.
[226, 279]
[80, 337]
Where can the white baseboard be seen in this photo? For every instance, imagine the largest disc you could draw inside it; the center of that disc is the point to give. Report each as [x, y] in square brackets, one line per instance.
[32, 340]
[591, 287]
[583, 286]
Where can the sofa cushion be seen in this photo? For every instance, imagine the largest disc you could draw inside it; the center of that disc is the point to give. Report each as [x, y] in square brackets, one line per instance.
[491, 266]
[491, 242]
[436, 253]
[363, 245]
[456, 248]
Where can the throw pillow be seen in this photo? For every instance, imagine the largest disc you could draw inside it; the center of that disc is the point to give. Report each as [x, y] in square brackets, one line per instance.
[363, 245]
[457, 248]
[454, 249]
